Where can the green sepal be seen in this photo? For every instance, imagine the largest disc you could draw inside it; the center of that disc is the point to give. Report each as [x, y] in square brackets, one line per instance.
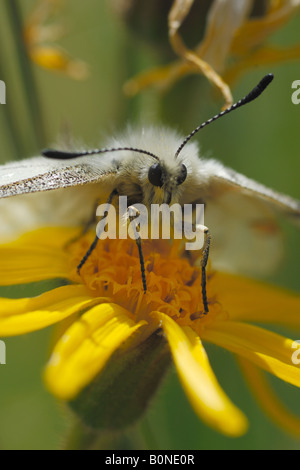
[121, 393]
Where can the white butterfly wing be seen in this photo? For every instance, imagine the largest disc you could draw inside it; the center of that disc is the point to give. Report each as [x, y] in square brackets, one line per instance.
[244, 219]
[43, 174]
[51, 192]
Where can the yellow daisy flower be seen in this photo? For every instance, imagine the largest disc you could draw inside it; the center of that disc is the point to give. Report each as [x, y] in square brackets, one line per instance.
[234, 40]
[114, 338]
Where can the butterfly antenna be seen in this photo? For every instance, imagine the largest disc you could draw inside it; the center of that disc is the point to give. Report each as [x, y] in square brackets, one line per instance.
[61, 155]
[255, 93]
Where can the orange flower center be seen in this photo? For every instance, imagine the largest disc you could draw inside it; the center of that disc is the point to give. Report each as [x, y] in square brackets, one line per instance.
[173, 278]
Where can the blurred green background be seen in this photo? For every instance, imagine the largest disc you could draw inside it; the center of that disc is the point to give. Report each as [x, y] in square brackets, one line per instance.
[261, 141]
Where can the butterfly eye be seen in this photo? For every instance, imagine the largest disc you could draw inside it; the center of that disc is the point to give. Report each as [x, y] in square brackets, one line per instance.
[183, 174]
[155, 175]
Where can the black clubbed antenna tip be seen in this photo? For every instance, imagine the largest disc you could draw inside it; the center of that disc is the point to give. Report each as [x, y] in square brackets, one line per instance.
[260, 87]
[265, 81]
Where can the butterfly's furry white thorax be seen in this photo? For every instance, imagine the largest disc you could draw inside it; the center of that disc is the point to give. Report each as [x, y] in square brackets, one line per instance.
[133, 174]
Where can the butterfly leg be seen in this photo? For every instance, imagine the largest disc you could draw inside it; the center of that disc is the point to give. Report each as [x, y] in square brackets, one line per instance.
[202, 233]
[94, 244]
[132, 214]
[205, 255]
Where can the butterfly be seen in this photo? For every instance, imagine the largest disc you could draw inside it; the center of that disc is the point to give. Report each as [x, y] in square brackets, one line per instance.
[153, 165]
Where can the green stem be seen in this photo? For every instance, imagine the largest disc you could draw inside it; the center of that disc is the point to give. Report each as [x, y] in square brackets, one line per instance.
[122, 392]
[80, 437]
[11, 131]
[26, 72]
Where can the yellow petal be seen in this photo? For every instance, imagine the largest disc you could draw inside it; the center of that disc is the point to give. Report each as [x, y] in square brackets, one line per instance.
[268, 400]
[55, 58]
[36, 256]
[198, 380]
[223, 21]
[162, 77]
[248, 300]
[256, 31]
[270, 351]
[178, 13]
[266, 55]
[85, 347]
[19, 316]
